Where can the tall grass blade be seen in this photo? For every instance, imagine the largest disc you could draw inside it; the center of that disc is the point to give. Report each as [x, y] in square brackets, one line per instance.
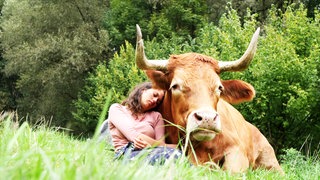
[24, 127]
[102, 115]
[48, 165]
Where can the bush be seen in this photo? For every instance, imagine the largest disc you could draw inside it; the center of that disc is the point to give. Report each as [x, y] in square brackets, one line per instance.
[286, 79]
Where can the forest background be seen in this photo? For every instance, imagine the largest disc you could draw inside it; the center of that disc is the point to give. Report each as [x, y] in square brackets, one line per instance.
[61, 60]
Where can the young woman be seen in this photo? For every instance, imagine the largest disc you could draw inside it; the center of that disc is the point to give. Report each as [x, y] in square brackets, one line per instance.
[136, 129]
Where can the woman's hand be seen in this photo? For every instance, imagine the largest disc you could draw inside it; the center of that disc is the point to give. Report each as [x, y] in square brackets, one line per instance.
[143, 141]
[140, 143]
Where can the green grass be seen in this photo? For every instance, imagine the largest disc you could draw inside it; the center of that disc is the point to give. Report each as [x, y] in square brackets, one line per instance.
[42, 153]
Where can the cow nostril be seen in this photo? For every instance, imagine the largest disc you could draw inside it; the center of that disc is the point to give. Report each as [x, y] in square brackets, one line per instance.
[198, 117]
[204, 116]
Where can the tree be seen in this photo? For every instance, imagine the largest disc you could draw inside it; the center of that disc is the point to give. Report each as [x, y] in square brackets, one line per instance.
[50, 48]
[7, 90]
[216, 8]
[122, 17]
[160, 19]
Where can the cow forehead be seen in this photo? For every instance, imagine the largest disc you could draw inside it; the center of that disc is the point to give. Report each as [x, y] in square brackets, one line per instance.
[193, 61]
[194, 69]
[196, 76]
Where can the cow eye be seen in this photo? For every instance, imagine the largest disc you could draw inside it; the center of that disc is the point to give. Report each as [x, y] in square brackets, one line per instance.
[175, 87]
[220, 88]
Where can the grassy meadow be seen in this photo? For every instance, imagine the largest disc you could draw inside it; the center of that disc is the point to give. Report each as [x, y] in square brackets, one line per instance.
[40, 153]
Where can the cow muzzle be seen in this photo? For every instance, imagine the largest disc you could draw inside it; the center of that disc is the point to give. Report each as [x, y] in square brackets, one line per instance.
[203, 125]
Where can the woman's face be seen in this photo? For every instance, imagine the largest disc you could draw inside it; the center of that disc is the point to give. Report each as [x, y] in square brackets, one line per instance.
[150, 98]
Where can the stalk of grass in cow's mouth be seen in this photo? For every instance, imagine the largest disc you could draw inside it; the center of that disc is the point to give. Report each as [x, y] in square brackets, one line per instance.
[201, 134]
[203, 130]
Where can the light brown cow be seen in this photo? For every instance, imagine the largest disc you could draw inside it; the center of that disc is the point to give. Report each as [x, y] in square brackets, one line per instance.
[198, 100]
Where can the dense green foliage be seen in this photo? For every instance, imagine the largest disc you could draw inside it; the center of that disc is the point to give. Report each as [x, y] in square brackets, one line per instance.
[41, 153]
[286, 78]
[49, 57]
[162, 19]
[165, 19]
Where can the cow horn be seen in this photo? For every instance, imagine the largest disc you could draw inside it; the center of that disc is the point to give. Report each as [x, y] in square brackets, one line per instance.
[141, 59]
[245, 60]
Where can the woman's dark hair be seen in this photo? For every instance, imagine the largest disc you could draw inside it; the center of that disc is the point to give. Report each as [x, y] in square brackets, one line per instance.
[133, 102]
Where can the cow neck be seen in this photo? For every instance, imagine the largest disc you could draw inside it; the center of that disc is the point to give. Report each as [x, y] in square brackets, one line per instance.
[165, 107]
[166, 112]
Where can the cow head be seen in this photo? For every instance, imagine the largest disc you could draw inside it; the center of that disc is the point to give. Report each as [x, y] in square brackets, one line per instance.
[194, 87]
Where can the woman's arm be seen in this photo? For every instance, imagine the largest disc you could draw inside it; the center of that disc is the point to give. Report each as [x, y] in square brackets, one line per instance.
[150, 141]
[143, 141]
[123, 121]
[159, 134]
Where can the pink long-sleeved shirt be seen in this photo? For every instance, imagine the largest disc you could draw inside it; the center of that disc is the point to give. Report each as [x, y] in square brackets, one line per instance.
[125, 128]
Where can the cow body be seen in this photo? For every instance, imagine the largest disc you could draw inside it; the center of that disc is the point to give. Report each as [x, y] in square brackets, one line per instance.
[199, 101]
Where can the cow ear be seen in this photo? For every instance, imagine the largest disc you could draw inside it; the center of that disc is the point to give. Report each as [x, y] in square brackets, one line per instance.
[158, 79]
[237, 91]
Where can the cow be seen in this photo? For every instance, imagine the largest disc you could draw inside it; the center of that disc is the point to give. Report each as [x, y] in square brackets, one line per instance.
[199, 101]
